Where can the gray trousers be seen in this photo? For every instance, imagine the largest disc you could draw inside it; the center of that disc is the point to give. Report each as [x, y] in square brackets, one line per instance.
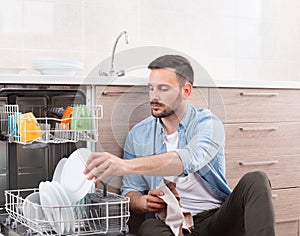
[247, 211]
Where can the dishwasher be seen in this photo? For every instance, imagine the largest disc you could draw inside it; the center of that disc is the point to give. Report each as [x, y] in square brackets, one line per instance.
[30, 153]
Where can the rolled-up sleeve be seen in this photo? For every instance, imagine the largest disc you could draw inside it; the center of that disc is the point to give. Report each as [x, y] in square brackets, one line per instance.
[205, 139]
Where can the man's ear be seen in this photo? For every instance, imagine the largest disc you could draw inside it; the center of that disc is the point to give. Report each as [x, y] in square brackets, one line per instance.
[187, 90]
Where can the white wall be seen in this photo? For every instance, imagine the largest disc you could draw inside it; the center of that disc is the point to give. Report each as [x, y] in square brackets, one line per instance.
[232, 39]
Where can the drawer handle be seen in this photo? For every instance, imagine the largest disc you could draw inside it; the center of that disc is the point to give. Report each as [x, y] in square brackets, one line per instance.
[259, 94]
[274, 195]
[258, 128]
[118, 93]
[258, 163]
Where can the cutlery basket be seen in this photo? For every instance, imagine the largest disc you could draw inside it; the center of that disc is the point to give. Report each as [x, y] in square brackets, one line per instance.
[93, 215]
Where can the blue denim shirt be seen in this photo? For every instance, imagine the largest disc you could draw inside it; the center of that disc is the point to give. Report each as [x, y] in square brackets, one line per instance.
[201, 150]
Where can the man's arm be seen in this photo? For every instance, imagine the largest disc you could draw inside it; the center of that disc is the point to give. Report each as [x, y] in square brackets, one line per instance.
[137, 201]
[103, 164]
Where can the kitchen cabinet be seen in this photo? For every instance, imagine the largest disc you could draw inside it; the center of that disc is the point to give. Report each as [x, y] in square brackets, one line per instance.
[262, 133]
[240, 105]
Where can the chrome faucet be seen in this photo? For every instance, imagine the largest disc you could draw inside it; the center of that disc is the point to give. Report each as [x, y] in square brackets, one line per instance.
[112, 72]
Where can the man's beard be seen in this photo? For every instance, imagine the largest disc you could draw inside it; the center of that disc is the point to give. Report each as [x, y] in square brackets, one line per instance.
[167, 110]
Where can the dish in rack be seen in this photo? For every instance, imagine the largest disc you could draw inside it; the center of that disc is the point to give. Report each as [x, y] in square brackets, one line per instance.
[96, 215]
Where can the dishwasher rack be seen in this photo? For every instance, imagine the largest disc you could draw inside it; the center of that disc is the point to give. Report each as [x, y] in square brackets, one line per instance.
[93, 215]
[26, 130]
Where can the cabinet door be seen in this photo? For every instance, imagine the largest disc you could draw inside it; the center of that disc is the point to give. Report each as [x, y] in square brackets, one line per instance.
[255, 105]
[283, 171]
[286, 204]
[270, 147]
[262, 139]
[289, 228]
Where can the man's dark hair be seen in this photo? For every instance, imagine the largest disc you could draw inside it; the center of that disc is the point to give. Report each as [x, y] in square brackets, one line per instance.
[180, 64]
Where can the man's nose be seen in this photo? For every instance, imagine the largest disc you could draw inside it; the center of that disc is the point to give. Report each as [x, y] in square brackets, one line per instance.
[154, 94]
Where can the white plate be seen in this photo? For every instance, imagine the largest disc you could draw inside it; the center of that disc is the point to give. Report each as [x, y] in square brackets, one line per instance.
[67, 214]
[32, 207]
[58, 169]
[57, 65]
[55, 61]
[50, 204]
[58, 71]
[74, 182]
[62, 215]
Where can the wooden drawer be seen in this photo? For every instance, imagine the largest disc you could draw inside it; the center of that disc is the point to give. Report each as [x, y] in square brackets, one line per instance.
[255, 105]
[273, 148]
[283, 171]
[289, 228]
[286, 204]
[262, 140]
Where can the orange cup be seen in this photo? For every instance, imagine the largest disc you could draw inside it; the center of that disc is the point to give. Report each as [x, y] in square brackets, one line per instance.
[66, 118]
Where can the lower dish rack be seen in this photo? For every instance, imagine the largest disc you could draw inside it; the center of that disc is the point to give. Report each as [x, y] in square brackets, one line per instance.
[93, 215]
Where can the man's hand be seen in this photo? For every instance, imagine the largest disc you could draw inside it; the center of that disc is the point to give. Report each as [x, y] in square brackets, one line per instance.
[154, 204]
[103, 164]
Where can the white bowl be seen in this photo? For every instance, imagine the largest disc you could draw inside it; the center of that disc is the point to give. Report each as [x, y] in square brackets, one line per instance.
[32, 209]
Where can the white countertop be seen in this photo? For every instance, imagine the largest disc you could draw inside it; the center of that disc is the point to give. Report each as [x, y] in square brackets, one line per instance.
[97, 80]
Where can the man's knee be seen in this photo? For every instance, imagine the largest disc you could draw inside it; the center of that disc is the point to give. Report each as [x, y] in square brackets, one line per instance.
[146, 227]
[256, 179]
[152, 227]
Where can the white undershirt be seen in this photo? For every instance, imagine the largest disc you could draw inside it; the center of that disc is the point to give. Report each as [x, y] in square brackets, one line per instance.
[195, 197]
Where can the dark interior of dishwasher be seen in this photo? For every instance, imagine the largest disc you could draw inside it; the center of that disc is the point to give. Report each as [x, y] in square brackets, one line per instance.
[25, 166]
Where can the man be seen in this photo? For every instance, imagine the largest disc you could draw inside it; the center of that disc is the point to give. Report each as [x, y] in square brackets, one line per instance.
[188, 144]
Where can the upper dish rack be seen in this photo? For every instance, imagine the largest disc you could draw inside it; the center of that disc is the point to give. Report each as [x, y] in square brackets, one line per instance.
[81, 124]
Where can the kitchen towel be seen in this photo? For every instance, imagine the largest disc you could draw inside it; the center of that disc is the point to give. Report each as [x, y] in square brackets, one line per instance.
[174, 217]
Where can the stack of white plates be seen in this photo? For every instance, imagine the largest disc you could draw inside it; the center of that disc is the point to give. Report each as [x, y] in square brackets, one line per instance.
[57, 207]
[57, 66]
[58, 197]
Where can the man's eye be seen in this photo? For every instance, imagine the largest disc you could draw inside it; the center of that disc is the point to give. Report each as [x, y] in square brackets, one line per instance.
[164, 89]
